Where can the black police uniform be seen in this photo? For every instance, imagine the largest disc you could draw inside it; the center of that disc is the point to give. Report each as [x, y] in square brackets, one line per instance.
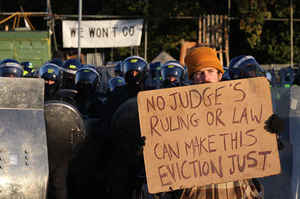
[87, 169]
[125, 139]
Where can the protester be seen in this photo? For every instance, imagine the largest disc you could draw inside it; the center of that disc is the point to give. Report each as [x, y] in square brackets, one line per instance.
[205, 67]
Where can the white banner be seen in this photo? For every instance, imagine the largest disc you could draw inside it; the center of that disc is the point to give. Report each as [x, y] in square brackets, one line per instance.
[103, 34]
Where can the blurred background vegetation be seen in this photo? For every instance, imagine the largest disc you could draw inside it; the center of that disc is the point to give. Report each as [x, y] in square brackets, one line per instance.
[253, 30]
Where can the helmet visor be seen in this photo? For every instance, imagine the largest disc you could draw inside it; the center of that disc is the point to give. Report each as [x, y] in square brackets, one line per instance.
[10, 72]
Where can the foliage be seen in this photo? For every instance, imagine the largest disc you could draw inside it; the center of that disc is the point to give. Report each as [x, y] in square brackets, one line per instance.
[267, 40]
[252, 18]
[164, 31]
[251, 31]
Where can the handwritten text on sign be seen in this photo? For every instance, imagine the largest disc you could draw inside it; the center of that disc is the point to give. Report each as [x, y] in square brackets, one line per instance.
[205, 134]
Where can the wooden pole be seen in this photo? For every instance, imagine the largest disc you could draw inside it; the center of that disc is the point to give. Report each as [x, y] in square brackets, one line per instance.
[226, 36]
[200, 38]
[213, 30]
[146, 40]
[52, 24]
[221, 47]
[228, 32]
[204, 23]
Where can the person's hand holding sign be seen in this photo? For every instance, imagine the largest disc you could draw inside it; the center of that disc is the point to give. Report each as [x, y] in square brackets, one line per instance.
[274, 124]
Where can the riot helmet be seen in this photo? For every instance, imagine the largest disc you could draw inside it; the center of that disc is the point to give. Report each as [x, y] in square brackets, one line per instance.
[287, 76]
[172, 74]
[86, 80]
[89, 66]
[172, 61]
[116, 82]
[245, 66]
[154, 69]
[28, 69]
[117, 69]
[134, 68]
[52, 75]
[10, 68]
[70, 67]
[272, 77]
[8, 60]
[72, 64]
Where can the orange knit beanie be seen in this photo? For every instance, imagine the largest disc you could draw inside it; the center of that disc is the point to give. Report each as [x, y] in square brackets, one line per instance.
[202, 57]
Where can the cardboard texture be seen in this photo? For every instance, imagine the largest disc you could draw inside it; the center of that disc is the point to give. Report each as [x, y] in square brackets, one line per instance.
[207, 134]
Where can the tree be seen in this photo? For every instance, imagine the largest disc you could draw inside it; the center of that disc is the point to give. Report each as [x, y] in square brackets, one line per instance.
[250, 33]
[268, 41]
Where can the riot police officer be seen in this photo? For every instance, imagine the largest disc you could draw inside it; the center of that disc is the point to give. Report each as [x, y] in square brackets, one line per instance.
[52, 75]
[115, 82]
[58, 108]
[87, 80]
[117, 69]
[245, 66]
[10, 68]
[86, 168]
[287, 77]
[172, 74]
[29, 70]
[123, 178]
[70, 67]
[58, 163]
[134, 69]
[154, 79]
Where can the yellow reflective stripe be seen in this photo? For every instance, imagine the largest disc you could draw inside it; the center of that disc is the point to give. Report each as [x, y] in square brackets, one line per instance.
[72, 66]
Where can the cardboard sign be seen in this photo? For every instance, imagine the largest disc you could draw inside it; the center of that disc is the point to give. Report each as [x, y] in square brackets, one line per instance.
[207, 134]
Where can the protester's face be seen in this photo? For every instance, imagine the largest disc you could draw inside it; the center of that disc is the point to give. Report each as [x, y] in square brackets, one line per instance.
[206, 75]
